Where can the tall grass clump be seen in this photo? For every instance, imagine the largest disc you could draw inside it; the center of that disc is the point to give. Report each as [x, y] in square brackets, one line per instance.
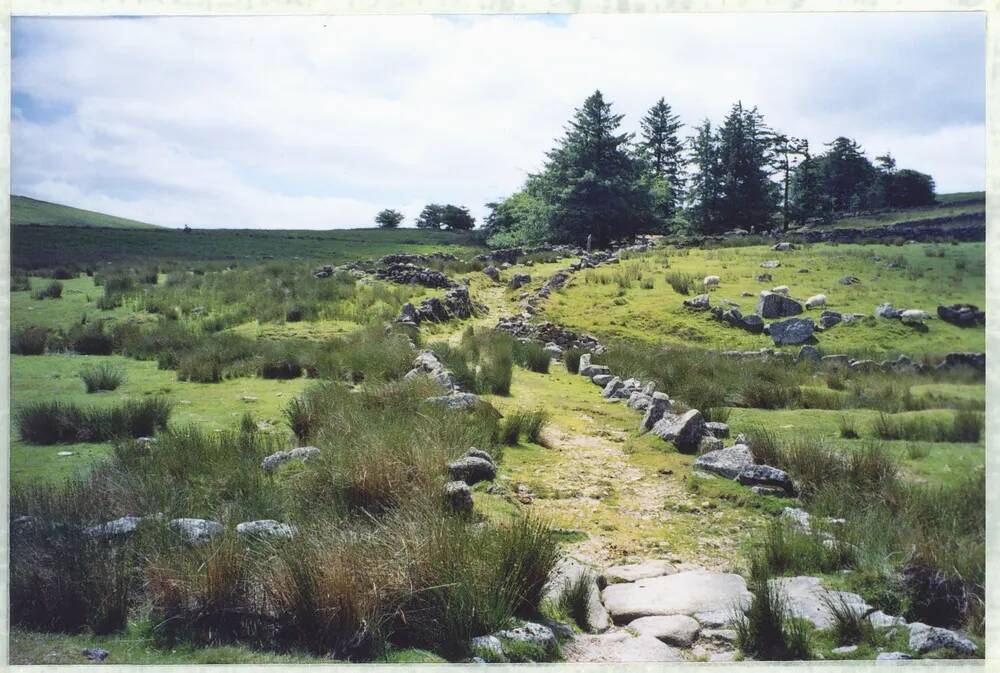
[91, 339]
[526, 424]
[571, 358]
[102, 377]
[531, 355]
[31, 340]
[767, 631]
[851, 625]
[52, 422]
[574, 599]
[964, 426]
[482, 362]
[682, 283]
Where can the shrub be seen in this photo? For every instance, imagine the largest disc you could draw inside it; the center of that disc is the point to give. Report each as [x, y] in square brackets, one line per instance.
[571, 358]
[19, 283]
[767, 632]
[108, 302]
[63, 274]
[51, 291]
[91, 339]
[102, 377]
[532, 355]
[30, 340]
[285, 368]
[534, 423]
[52, 422]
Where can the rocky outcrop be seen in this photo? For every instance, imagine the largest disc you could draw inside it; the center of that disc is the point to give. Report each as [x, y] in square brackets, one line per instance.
[408, 274]
[792, 332]
[455, 305]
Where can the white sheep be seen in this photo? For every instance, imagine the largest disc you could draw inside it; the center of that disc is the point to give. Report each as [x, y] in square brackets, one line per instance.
[781, 289]
[913, 315]
[816, 300]
[712, 281]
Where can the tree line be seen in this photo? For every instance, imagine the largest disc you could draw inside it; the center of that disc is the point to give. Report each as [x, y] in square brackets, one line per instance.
[433, 216]
[741, 174]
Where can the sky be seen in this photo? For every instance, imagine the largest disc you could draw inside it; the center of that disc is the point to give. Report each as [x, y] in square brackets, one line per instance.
[320, 122]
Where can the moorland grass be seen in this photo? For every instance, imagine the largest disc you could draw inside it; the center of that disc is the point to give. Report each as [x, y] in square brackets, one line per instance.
[53, 422]
[102, 377]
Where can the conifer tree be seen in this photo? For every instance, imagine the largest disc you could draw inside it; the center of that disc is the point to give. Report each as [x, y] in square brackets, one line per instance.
[661, 153]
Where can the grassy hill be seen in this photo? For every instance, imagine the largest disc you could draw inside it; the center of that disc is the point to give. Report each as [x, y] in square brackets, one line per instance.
[25, 210]
[960, 206]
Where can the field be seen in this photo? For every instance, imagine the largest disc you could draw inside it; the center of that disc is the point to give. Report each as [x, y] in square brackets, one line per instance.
[618, 300]
[261, 357]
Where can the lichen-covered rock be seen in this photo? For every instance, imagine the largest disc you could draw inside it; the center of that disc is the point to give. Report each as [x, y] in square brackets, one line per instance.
[765, 475]
[729, 462]
[472, 470]
[792, 332]
[266, 528]
[458, 496]
[530, 633]
[456, 401]
[518, 280]
[924, 639]
[612, 388]
[684, 431]
[276, 460]
[492, 273]
[698, 302]
[659, 404]
[602, 379]
[196, 531]
[776, 305]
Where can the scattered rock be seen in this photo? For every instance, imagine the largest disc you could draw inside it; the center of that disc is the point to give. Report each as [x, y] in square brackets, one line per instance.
[457, 401]
[602, 379]
[698, 302]
[765, 475]
[708, 443]
[677, 630]
[792, 332]
[458, 496]
[782, 247]
[96, 653]
[846, 649]
[728, 462]
[492, 273]
[720, 430]
[684, 593]
[472, 470]
[490, 644]
[276, 460]
[963, 315]
[775, 491]
[849, 280]
[976, 361]
[887, 311]
[684, 431]
[119, 528]
[266, 528]
[518, 280]
[638, 571]
[924, 639]
[808, 354]
[828, 319]
[775, 305]
[196, 531]
[612, 388]
[659, 404]
[531, 633]
[769, 264]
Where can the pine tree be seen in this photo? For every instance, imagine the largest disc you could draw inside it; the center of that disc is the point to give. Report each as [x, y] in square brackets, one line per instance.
[661, 153]
[786, 153]
[746, 193]
[808, 199]
[847, 175]
[704, 196]
[591, 181]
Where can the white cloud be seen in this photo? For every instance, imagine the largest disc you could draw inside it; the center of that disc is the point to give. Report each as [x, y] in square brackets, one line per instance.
[314, 122]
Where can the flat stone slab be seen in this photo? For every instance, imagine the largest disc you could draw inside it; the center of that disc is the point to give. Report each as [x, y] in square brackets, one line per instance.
[804, 596]
[728, 462]
[638, 571]
[677, 630]
[619, 646]
[683, 593]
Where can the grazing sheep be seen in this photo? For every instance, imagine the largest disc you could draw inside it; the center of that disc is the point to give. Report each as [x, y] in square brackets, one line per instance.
[712, 281]
[816, 300]
[913, 316]
[781, 289]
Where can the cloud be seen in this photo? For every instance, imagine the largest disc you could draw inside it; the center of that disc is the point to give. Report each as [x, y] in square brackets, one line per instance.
[319, 122]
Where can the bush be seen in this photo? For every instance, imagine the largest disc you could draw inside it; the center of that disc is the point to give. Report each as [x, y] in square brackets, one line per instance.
[108, 302]
[285, 368]
[30, 340]
[102, 377]
[91, 339]
[51, 291]
[52, 422]
[571, 358]
[63, 274]
[20, 283]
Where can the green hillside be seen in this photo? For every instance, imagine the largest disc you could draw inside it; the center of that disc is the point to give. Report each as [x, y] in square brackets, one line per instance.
[25, 210]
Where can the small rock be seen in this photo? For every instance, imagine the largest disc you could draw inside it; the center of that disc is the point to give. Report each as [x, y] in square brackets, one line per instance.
[770, 264]
[472, 470]
[531, 633]
[458, 496]
[846, 649]
[263, 528]
[698, 302]
[489, 644]
[196, 531]
[728, 462]
[602, 379]
[119, 528]
[893, 656]
[685, 431]
[659, 404]
[765, 475]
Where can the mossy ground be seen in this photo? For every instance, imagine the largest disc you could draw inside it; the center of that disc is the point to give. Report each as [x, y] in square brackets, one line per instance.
[611, 301]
